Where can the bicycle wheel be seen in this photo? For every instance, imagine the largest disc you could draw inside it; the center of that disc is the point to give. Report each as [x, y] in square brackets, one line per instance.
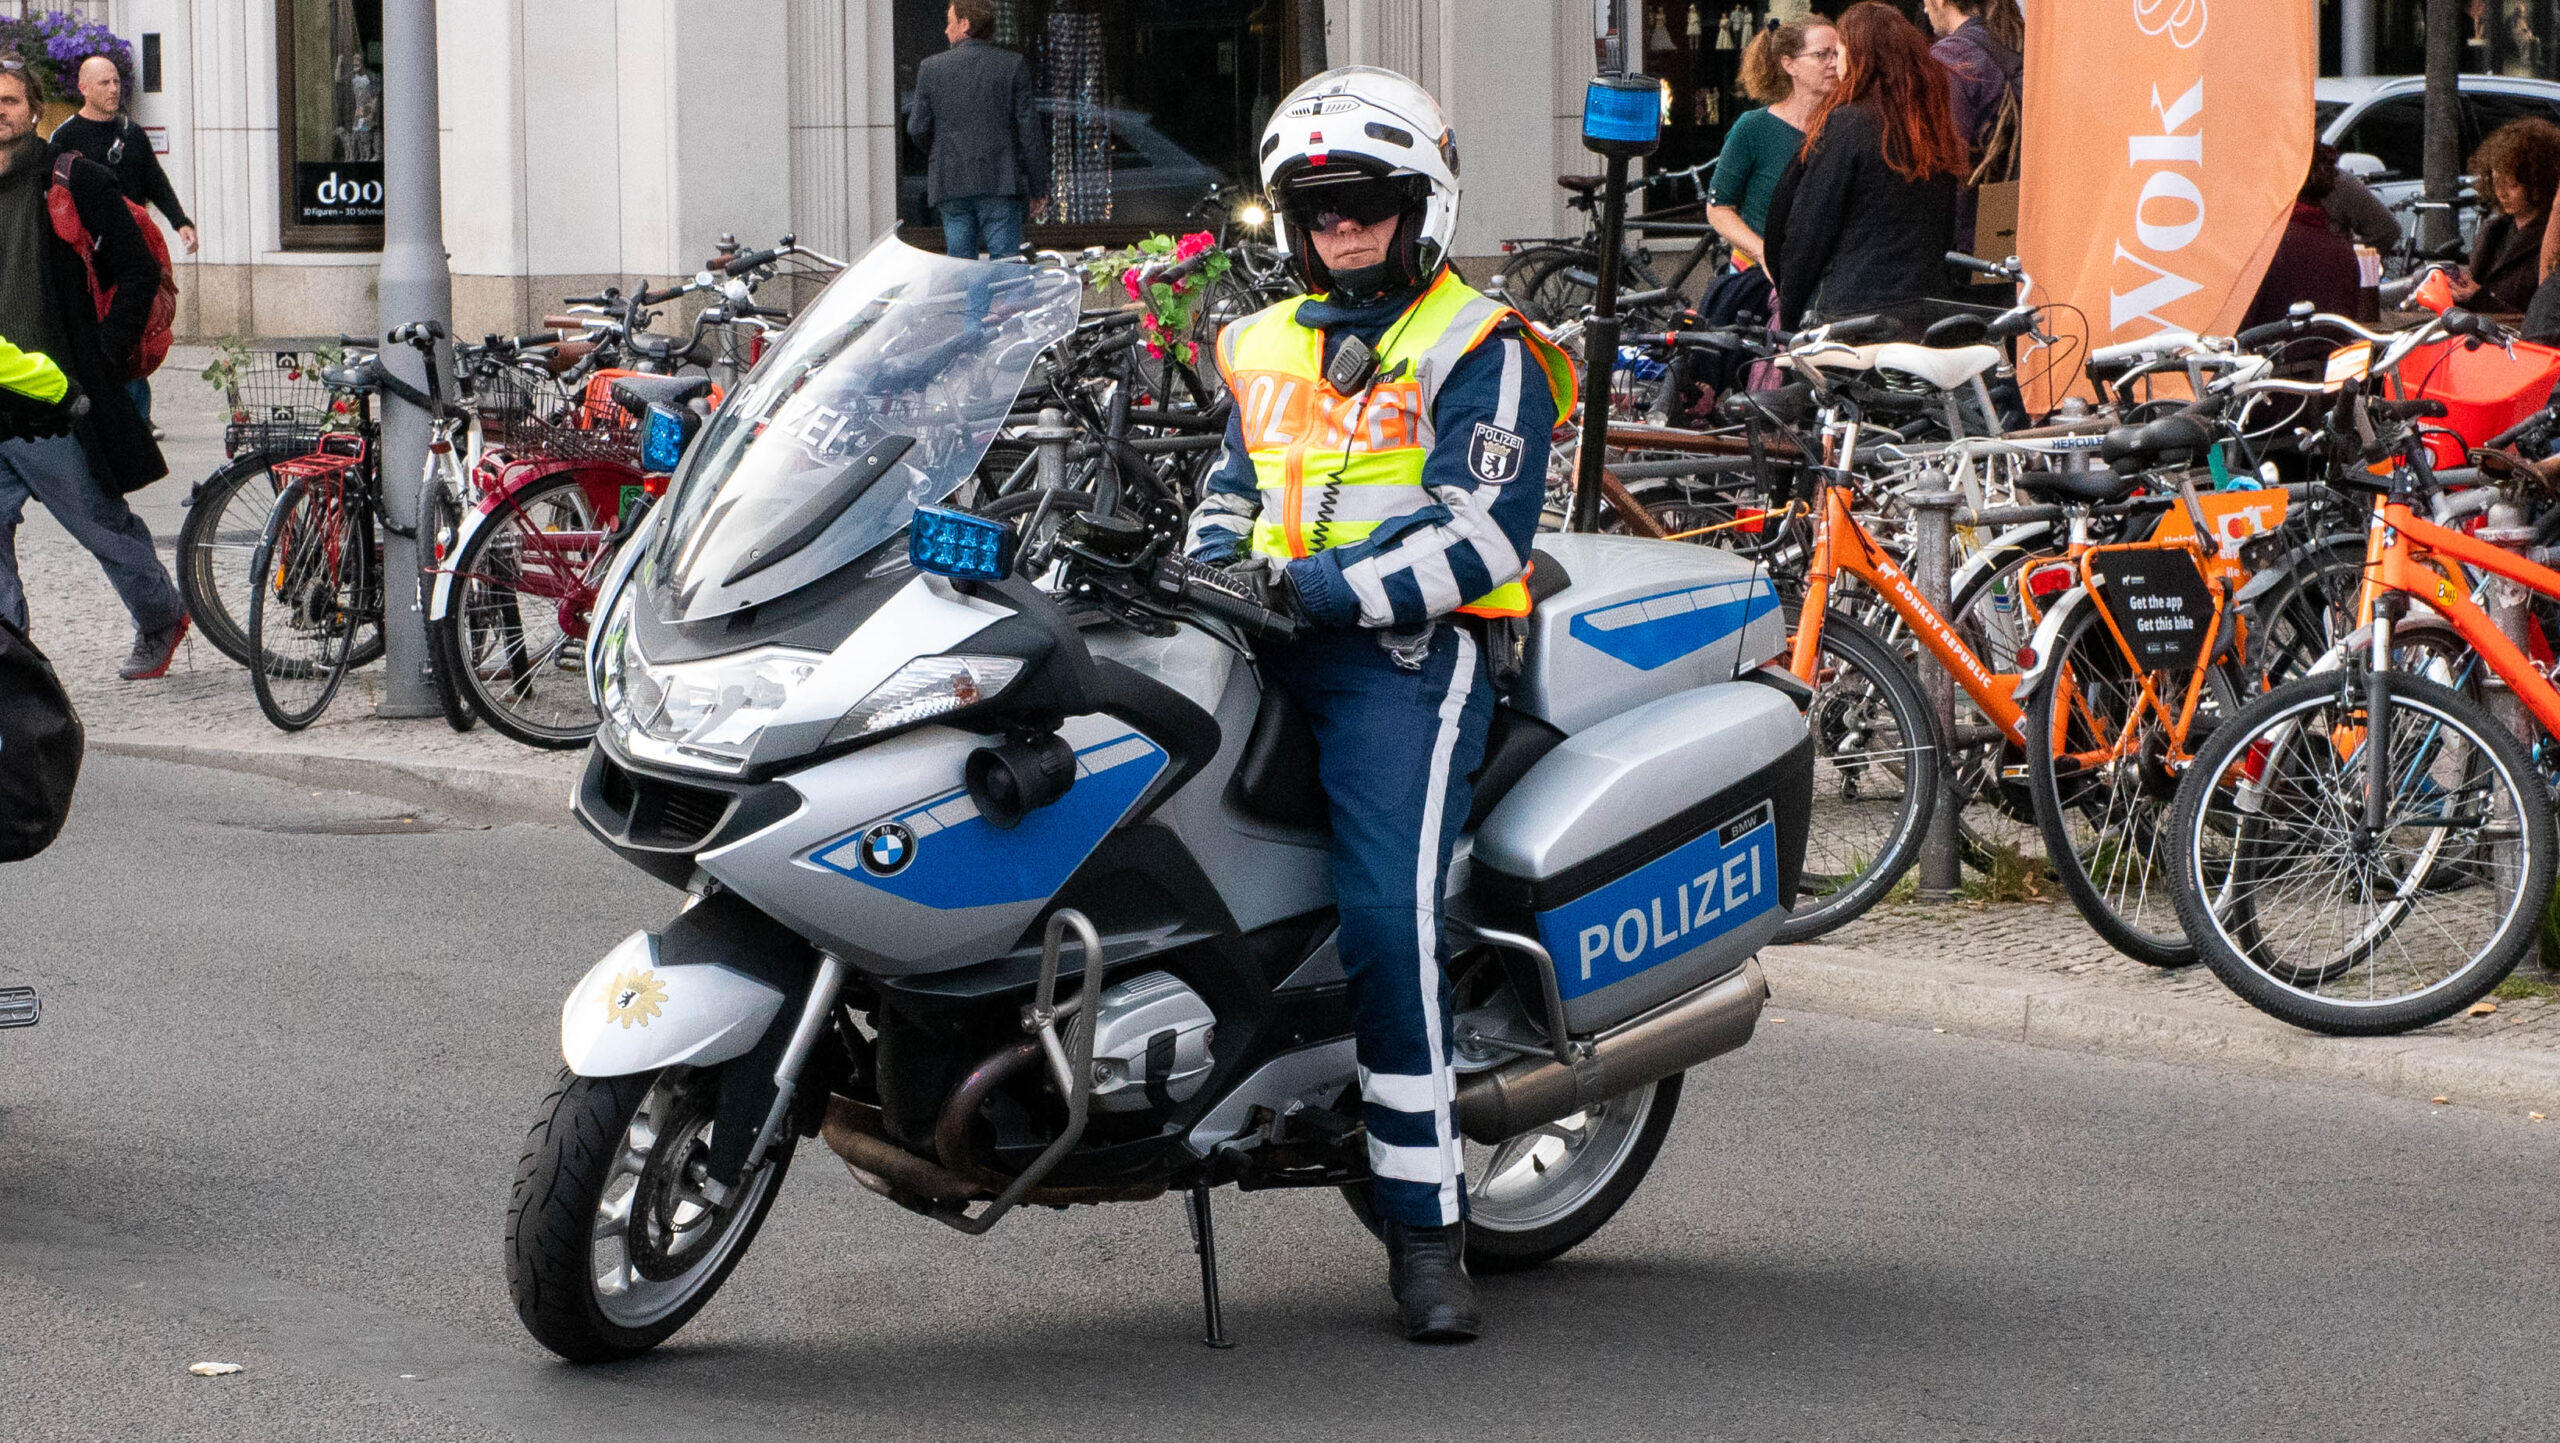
[218, 546]
[2312, 916]
[2313, 607]
[1876, 758]
[308, 601]
[1525, 274]
[443, 524]
[516, 624]
[2103, 759]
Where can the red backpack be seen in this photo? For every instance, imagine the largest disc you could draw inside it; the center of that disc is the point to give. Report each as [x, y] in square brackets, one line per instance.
[154, 345]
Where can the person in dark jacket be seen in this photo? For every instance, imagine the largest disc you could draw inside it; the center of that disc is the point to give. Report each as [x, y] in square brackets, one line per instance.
[45, 308]
[2357, 214]
[2311, 264]
[1872, 212]
[972, 112]
[102, 132]
[2517, 168]
[1986, 92]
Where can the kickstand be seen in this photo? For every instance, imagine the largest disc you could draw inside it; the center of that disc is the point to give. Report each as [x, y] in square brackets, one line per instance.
[1204, 1241]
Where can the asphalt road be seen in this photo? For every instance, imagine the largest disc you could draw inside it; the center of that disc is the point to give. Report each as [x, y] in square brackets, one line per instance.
[272, 1111]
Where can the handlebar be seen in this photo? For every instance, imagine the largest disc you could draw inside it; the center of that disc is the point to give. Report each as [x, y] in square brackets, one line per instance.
[1976, 264]
[1215, 594]
[2424, 407]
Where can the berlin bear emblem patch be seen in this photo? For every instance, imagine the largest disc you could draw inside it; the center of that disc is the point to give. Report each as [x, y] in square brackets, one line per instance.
[1493, 454]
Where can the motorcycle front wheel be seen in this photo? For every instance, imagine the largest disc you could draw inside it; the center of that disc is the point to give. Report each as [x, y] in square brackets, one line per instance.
[611, 1243]
[1533, 1198]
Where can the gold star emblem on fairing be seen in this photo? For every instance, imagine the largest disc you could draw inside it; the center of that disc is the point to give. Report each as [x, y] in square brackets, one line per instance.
[634, 998]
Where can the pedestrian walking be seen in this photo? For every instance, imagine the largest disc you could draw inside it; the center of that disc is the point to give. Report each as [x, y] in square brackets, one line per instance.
[2311, 263]
[972, 112]
[45, 308]
[103, 133]
[1981, 42]
[1871, 212]
[2517, 169]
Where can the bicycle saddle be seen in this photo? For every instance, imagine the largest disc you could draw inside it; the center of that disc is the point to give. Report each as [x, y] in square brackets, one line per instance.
[637, 394]
[1944, 369]
[1582, 184]
[2177, 440]
[2092, 485]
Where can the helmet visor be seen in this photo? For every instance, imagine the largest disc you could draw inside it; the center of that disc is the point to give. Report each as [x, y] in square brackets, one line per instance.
[1318, 205]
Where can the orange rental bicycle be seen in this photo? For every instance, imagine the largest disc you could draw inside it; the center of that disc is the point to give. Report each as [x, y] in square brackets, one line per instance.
[2368, 849]
[2130, 660]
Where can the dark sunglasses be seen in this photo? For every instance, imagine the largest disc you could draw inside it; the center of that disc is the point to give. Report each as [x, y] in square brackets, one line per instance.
[1367, 201]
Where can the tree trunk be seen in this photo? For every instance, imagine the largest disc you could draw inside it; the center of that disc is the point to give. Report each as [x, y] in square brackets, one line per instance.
[2436, 227]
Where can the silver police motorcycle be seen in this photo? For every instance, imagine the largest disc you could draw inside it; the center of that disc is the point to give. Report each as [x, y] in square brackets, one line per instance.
[1007, 879]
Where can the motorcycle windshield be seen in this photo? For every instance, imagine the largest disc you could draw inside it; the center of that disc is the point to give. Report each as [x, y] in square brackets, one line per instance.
[880, 398]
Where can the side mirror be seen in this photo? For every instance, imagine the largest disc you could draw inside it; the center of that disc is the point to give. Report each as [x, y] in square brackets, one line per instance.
[2361, 165]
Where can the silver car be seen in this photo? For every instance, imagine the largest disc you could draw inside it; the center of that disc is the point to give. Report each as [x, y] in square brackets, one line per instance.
[2378, 123]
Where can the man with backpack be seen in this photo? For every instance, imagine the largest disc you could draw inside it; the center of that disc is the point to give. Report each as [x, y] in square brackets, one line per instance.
[78, 284]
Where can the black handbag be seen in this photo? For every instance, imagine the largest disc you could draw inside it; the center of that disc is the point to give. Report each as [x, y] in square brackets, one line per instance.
[40, 748]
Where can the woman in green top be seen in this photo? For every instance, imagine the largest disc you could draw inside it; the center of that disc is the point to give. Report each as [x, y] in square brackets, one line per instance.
[1789, 69]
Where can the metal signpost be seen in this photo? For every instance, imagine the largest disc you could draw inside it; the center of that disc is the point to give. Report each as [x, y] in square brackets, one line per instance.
[416, 285]
[1621, 119]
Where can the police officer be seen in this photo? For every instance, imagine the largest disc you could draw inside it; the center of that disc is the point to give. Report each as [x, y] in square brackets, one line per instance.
[1382, 477]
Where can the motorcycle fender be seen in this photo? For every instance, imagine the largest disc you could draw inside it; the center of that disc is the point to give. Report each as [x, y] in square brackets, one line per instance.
[2048, 632]
[629, 1014]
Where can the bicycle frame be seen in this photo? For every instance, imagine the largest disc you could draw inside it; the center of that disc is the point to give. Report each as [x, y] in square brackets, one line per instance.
[2408, 554]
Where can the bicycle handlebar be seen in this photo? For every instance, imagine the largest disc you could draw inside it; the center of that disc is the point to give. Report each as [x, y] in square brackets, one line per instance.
[1976, 264]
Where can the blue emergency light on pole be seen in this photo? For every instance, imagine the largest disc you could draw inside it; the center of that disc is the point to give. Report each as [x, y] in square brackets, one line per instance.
[1621, 119]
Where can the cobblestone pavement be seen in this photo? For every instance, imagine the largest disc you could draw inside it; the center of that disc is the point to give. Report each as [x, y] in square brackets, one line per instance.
[2046, 940]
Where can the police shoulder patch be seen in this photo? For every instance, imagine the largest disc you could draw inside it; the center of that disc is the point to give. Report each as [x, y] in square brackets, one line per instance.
[1493, 453]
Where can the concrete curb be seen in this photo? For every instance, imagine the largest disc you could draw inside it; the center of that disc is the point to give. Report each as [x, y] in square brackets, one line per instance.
[2112, 1020]
[478, 793]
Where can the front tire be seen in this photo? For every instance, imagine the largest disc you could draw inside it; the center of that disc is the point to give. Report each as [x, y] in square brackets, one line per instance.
[1537, 1196]
[610, 1245]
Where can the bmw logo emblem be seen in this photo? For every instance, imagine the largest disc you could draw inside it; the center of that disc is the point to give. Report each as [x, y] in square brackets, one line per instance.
[887, 849]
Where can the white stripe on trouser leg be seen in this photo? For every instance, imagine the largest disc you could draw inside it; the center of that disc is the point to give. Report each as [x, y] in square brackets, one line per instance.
[1426, 910]
[1417, 1164]
[1399, 1091]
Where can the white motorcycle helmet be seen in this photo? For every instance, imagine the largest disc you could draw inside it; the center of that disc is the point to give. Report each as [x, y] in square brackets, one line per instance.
[1365, 143]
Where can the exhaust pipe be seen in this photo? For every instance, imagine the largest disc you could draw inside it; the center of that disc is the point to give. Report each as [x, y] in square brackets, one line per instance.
[1674, 1037]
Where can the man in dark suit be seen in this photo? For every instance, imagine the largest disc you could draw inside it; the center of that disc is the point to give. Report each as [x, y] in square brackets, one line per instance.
[972, 112]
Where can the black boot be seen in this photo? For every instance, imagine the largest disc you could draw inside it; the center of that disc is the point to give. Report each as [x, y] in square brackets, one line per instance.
[1427, 1271]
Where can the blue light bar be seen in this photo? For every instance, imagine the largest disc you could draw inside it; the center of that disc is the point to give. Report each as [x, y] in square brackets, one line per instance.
[1622, 115]
[960, 546]
[662, 439]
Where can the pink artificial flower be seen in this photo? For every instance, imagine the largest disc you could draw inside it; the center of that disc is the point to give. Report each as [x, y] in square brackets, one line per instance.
[1155, 350]
[1193, 244]
[1129, 282]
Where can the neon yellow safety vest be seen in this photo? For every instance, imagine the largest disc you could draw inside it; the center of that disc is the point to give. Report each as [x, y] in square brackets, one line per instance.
[1366, 451]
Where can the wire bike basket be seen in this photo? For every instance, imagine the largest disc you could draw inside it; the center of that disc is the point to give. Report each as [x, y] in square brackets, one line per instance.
[534, 417]
[278, 402]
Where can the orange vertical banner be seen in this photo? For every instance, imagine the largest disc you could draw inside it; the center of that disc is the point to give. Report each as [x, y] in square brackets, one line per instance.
[2164, 142]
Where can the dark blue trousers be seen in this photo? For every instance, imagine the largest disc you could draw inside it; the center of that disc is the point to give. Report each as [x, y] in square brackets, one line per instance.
[1395, 749]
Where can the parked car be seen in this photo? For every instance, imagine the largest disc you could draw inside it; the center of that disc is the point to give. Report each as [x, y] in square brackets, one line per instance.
[2379, 125]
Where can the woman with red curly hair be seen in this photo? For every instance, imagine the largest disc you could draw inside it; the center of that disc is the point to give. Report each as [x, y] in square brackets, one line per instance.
[1874, 208]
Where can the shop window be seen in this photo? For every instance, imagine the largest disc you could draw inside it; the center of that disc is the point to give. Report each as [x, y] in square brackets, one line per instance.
[1143, 104]
[329, 123]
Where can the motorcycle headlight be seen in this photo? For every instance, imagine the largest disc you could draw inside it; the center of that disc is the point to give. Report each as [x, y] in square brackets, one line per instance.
[925, 688]
[701, 714]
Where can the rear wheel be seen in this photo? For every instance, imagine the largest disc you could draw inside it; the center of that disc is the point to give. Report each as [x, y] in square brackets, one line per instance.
[2103, 760]
[307, 602]
[515, 626]
[443, 524]
[612, 1241]
[1533, 1198]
